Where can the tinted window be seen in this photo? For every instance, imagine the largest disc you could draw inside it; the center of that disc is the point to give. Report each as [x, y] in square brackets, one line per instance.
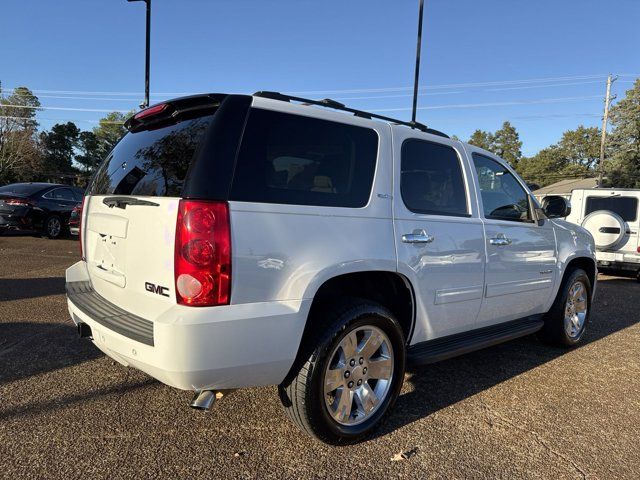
[431, 180]
[626, 207]
[24, 189]
[61, 194]
[300, 160]
[151, 162]
[502, 195]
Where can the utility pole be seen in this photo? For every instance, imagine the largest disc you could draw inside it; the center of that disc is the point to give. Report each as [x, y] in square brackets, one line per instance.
[417, 72]
[607, 103]
[145, 103]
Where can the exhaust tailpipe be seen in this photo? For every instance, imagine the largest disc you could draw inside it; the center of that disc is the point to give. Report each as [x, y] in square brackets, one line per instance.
[84, 330]
[203, 399]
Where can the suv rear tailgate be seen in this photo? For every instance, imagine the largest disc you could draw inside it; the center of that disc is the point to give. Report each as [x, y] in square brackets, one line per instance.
[129, 250]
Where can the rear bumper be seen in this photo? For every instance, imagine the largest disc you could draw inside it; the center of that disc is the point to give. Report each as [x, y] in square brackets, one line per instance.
[15, 222]
[202, 348]
[618, 261]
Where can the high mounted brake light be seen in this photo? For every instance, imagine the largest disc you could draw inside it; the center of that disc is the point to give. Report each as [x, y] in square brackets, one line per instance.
[203, 254]
[151, 111]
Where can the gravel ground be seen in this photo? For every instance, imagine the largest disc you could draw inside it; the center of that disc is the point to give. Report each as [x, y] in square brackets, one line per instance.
[519, 410]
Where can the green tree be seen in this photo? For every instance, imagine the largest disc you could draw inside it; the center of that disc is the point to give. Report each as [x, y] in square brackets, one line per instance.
[543, 168]
[59, 145]
[507, 145]
[581, 146]
[482, 139]
[623, 168]
[109, 132]
[90, 151]
[19, 148]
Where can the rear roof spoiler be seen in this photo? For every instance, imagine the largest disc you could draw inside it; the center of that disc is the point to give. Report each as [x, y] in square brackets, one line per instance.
[172, 110]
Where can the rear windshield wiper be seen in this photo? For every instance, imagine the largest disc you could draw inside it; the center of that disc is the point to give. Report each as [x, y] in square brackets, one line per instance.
[122, 202]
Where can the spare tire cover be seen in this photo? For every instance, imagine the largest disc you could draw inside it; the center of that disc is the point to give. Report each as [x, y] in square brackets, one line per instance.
[607, 228]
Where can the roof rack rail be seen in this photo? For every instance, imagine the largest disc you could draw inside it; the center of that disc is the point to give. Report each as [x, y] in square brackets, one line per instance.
[329, 103]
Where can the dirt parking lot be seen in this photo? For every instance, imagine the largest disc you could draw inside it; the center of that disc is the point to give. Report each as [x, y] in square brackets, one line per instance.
[519, 410]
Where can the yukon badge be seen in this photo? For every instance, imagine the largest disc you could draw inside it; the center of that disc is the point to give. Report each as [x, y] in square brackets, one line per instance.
[159, 289]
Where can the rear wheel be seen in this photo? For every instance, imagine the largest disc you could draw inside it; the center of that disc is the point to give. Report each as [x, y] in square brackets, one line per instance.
[53, 226]
[566, 321]
[350, 378]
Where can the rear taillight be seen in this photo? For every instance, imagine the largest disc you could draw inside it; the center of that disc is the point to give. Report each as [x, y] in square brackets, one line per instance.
[80, 232]
[203, 253]
[18, 202]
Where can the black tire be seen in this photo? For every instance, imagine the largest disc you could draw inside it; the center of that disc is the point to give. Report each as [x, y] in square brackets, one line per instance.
[302, 393]
[48, 229]
[554, 331]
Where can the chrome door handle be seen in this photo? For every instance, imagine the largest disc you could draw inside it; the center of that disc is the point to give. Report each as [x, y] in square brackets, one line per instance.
[418, 236]
[500, 240]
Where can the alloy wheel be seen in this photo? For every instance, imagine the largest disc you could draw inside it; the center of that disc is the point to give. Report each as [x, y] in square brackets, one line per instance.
[358, 376]
[575, 311]
[54, 226]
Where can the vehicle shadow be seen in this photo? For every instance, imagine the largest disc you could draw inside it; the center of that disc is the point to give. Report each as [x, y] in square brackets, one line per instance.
[442, 384]
[22, 288]
[28, 349]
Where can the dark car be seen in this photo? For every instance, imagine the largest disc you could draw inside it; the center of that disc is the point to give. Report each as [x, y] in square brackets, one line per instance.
[44, 207]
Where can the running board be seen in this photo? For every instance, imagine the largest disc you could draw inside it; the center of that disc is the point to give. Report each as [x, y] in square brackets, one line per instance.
[438, 349]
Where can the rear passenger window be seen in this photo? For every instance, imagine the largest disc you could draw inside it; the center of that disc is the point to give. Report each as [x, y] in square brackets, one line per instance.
[61, 194]
[431, 180]
[293, 159]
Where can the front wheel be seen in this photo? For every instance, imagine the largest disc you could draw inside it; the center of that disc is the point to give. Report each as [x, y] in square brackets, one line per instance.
[351, 378]
[566, 321]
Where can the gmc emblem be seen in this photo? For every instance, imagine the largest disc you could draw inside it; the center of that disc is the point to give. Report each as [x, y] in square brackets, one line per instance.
[158, 289]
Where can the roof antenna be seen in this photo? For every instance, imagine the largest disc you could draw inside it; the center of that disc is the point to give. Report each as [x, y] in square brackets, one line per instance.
[417, 74]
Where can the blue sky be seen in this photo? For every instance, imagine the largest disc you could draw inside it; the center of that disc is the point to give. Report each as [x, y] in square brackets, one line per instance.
[483, 61]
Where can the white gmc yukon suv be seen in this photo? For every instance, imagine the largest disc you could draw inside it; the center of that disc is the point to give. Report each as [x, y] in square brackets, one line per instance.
[232, 241]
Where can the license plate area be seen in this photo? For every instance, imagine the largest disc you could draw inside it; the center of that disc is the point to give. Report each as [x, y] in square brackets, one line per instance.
[109, 259]
[108, 253]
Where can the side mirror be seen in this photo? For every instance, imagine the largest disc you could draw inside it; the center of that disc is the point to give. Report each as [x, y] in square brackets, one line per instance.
[555, 206]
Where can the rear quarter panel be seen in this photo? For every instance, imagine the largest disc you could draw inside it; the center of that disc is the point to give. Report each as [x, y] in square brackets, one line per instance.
[286, 252]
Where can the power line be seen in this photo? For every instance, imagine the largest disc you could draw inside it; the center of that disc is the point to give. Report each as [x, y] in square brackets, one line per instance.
[63, 120]
[493, 104]
[504, 89]
[69, 109]
[434, 107]
[79, 98]
[398, 95]
[355, 90]
[553, 115]
[455, 85]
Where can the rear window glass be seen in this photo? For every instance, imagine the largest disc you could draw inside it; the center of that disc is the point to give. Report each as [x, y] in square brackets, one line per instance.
[626, 207]
[293, 159]
[151, 162]
[23, 189]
